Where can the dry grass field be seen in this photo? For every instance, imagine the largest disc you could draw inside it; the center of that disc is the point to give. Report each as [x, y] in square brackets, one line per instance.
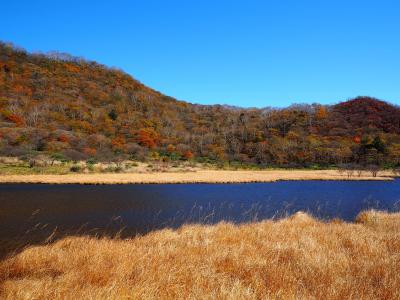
[294, 258]
[201, 176]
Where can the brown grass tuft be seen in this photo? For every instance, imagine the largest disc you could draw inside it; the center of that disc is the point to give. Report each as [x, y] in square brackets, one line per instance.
[297, 257]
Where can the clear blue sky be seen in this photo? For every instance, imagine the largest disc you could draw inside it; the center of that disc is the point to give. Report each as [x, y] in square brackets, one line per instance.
[246, 53]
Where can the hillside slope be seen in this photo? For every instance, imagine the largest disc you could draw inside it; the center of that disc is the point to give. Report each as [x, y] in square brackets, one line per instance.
[75, 109]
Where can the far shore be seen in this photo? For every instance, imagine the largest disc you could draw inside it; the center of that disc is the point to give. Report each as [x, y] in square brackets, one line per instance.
[201, 176]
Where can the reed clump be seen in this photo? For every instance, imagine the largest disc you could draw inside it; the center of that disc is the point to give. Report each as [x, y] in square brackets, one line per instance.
[294, 258]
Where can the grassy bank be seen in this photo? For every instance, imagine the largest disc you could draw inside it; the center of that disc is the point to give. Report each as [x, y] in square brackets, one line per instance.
[298, 257]
[46, 166]
[201, 176]
[45, 170]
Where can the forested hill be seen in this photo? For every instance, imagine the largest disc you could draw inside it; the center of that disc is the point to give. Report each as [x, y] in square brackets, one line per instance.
[70, 108]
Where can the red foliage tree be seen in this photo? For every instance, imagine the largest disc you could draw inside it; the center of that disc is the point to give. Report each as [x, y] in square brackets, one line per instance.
[188, 155]
[63, 138]
[89, 151]
[18, 120]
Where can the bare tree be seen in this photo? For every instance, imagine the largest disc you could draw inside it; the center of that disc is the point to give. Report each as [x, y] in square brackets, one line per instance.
[350, 172]
[33, 117]
[374, 169]
[341, 169]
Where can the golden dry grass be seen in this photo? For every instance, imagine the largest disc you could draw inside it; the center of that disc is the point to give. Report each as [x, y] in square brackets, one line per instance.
[201, 176]
[295, 258]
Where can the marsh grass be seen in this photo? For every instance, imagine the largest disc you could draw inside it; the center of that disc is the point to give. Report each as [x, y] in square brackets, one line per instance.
[291, 258]
[23, 168]
[179, 176]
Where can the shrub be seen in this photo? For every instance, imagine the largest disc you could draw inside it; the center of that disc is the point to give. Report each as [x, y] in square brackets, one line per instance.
[91, 161]
[90, 167]
[75, 168]
[113, 114]
[74, 155]
[59, 157]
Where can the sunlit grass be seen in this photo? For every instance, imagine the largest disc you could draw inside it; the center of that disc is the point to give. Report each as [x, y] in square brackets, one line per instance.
[25, 169]
[297, 257]
[198, 176]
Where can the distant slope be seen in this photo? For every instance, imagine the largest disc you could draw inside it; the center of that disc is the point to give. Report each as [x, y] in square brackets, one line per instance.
[366, 112]
[68, 107]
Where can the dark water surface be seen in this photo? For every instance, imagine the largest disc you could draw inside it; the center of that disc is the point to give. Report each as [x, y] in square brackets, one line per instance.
[35, 211]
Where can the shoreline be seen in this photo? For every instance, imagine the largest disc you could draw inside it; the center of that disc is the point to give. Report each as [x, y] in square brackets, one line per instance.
[201, 176]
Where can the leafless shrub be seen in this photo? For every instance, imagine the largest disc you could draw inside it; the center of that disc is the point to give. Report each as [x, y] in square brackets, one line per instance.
[32, 163]
[396, 171]
[347, 169]
[341, 170]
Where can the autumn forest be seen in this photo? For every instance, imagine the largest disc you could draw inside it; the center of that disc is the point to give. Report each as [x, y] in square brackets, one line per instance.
[72, 109]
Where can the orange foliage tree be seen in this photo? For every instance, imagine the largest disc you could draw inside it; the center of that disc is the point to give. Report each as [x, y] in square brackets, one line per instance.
[118, 144]
[148, 137]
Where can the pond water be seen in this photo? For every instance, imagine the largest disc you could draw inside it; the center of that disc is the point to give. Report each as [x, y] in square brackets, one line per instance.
[35, 210]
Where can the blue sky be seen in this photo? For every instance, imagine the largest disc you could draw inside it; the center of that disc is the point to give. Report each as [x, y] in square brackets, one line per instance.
[245, 53]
